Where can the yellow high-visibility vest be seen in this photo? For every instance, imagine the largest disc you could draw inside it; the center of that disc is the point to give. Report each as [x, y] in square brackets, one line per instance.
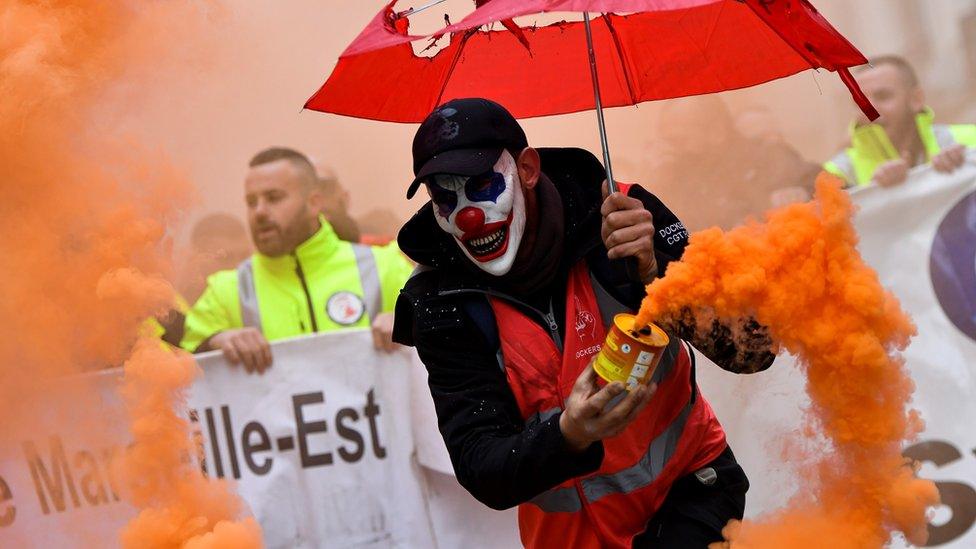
[871, 147]
[326, 284]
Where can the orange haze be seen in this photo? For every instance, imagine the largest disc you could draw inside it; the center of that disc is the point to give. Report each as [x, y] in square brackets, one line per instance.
[84, 217]
[800, 274]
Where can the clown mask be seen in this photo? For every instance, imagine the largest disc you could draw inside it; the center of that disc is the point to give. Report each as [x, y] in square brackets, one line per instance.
[485, 213]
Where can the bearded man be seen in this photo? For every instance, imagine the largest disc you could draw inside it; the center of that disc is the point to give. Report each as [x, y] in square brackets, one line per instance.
[519, 275]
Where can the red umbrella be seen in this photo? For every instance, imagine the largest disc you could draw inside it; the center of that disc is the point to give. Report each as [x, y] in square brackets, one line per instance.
[646, 50]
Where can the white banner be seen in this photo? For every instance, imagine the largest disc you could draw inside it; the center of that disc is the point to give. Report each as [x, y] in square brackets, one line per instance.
[56, 460]
[321, 444]
[921, 238]
[321, 447]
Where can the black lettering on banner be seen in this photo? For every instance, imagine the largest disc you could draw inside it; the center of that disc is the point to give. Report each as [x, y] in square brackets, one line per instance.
[108, 458]
[285, 444]
[306, 428]
[44, 484]
[6, 516]
[263, 445]
[214, 446]
[960, 498]
[350, 434]
[371, 411]
[231, 443]
[198, 443]
[92, 485]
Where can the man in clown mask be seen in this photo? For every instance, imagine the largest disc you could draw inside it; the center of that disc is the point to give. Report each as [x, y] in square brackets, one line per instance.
[519, 277]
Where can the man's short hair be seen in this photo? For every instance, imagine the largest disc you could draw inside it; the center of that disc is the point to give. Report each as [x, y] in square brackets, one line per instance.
[901, 64]
[274, 154]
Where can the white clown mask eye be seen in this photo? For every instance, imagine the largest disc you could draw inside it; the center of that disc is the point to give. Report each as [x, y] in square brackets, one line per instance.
[484, 213]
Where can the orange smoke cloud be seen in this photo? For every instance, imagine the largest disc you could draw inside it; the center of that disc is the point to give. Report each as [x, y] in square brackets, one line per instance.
[83, 221]
[181, 508]
[800, 274]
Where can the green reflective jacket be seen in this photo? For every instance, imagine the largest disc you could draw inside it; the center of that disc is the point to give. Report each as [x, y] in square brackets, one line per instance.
[326, 284]
[871, 147]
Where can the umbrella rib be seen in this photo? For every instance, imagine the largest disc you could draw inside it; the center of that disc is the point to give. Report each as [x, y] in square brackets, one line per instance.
[620, 56]
[708, 69]
[415, 11]
[454, 62]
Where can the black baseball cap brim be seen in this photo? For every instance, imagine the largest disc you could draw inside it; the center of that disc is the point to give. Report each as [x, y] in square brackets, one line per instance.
[467, 162]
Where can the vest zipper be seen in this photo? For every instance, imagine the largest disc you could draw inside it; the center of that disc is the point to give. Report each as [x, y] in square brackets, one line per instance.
[553, 327]
[549, 318]
[308, 296]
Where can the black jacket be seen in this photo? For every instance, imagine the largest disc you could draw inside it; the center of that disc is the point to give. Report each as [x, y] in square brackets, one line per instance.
[444, 313]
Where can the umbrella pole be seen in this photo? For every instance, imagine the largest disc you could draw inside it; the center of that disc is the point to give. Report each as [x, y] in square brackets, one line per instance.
[629, 263]
[611, 184]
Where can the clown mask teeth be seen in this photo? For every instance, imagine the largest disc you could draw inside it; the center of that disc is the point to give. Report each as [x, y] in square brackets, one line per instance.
[485, 245]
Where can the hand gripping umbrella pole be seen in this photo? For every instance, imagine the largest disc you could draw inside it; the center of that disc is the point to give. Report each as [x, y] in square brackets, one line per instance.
[629, 263]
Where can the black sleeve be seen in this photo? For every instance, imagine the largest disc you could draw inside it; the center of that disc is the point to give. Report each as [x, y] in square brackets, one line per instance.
[496, 457]
[742, 346]
[670, 235]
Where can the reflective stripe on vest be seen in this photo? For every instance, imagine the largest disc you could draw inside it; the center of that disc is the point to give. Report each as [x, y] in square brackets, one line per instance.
[635, 477]
[248, 295]
[369, 279]
[608, 305]
[844, 163]
[943, 136]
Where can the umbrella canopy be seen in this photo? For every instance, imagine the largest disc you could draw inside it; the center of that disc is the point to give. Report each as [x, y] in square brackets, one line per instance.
[645, 49]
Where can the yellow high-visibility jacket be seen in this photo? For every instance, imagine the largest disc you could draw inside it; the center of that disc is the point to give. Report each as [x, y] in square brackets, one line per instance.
[326, 284]
[871, 147]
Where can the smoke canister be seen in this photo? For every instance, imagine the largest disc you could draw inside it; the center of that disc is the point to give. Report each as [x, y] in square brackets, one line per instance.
[630, 353]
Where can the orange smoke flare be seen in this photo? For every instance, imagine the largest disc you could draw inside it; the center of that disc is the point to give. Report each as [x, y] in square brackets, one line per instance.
[83, 222]
[181, 508]
[800, 274]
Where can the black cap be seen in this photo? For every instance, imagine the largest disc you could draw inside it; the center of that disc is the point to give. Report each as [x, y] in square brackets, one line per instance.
[463, 137]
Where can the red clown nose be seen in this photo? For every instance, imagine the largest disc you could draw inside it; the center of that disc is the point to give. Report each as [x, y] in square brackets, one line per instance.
[470, 220]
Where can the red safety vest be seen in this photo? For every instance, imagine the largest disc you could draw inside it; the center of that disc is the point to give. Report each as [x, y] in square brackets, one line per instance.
[676, 434]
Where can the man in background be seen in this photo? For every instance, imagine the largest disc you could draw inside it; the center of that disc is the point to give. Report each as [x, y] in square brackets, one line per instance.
[302, 279]
[905, 135]
[218, 241]
[335, 203]
[710, 173]
[379, 226]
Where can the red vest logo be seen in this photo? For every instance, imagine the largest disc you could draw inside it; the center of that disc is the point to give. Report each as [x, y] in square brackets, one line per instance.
[585, 322]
